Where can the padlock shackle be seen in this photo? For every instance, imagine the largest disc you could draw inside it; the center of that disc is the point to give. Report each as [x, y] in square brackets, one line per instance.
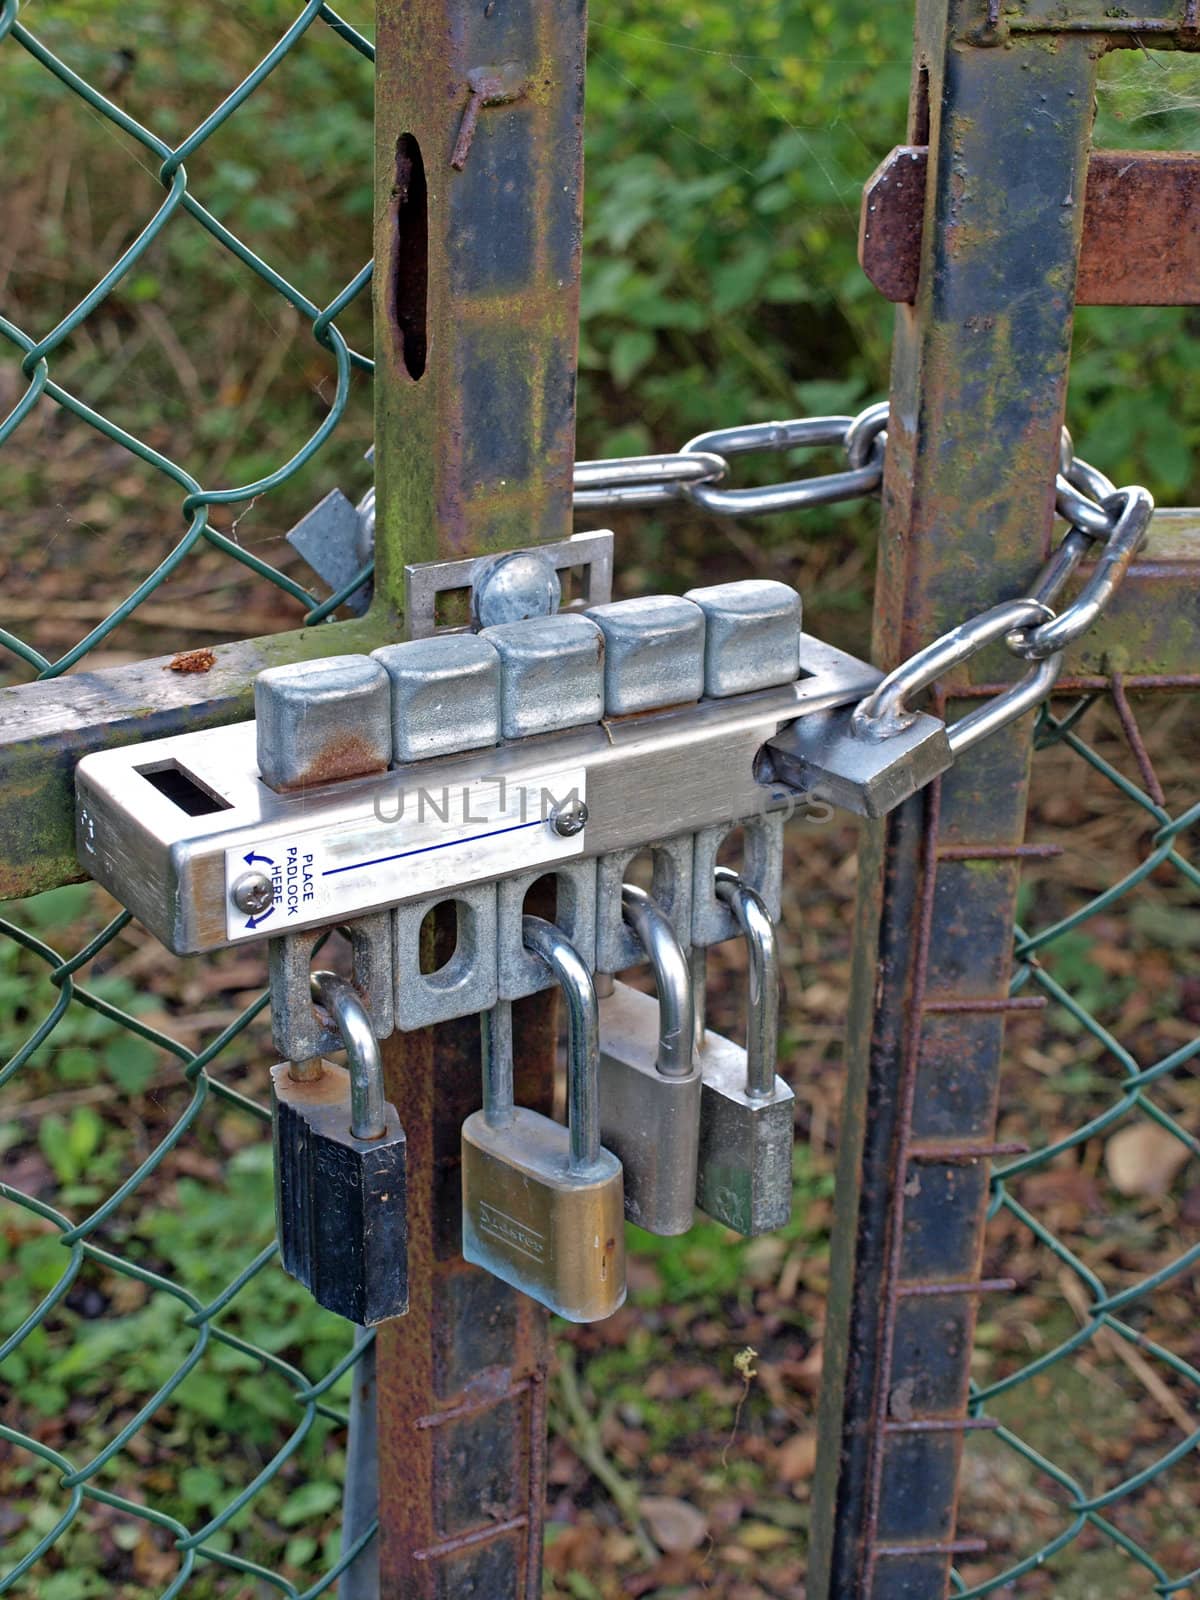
[672, 978]
[553, 947]
[496, 1046]
[342, 1001]
[762, 1021]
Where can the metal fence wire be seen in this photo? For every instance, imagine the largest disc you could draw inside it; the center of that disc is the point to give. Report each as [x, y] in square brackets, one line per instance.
[1083, 1222]
[189, 1355]
[214, 1462]
[180, 203]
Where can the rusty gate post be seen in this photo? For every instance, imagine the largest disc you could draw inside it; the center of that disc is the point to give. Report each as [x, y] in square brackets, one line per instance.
[478, 194]
[978, 391]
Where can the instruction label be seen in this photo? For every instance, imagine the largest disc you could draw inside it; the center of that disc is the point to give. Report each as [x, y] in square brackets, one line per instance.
[415, 842]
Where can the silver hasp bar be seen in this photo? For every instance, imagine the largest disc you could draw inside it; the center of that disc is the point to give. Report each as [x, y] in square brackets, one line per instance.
[169, 827]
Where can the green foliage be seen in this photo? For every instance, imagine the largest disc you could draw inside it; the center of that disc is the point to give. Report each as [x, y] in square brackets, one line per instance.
[726, 150]
[86, 1044]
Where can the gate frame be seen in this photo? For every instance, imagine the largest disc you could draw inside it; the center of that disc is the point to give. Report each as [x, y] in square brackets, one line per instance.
[978, 395]
[967, 516]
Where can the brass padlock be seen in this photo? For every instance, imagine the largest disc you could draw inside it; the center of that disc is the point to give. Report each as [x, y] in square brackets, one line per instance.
[649, 1082]
[744, 1178]
[542, 1204]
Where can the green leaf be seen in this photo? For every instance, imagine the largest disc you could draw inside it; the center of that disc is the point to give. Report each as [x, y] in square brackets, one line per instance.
[300, 1550]
[205, 1393]
[630, 352]
[202, 1487]
[131, 1062]
[310, 1501]
[737, 282]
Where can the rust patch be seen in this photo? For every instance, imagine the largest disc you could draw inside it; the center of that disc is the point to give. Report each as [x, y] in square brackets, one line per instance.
[203, 660]
[347, 755]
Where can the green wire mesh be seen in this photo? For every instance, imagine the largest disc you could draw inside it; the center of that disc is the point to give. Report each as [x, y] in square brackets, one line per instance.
[98, 1520]
[205, 1323]
[1108, 1523]
[229, 1335]
[37, 353]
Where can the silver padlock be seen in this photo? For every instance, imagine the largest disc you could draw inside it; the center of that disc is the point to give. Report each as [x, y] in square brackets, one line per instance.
[744, 1176]
[542, 1204]
[649, 1081]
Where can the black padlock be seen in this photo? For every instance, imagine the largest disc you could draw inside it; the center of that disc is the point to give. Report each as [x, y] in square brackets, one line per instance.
[340, 1171]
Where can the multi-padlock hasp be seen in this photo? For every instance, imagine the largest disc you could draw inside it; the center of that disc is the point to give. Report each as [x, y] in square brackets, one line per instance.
[174, 827]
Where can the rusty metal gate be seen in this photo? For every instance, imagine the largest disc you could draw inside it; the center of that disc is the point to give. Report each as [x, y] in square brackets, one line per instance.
[985, 231]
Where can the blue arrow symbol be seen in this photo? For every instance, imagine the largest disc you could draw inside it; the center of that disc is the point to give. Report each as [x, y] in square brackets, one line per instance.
[254, 921]
[250, 858]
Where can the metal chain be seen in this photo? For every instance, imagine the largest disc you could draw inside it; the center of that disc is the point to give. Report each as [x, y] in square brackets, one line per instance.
[1096, 511]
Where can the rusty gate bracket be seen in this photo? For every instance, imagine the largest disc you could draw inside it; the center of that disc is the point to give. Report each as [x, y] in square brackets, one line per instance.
[1141, 227]
[476, 300]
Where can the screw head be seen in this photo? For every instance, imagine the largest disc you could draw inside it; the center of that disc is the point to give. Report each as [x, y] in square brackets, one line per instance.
[253, 892]
[569, 818]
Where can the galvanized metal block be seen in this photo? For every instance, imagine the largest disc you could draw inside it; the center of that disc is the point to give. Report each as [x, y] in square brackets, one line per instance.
[318, 721]
[521, 972]
[301, 1029]
[653, 652]
[445, 695]
[752, 638]
[552, 673]
[468, 981]
[761, 870]
[617, 946]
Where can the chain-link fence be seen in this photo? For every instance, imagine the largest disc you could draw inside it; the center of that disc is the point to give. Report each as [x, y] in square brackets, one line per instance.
[127, 1347]
[136, 1358]
[181, 209]
[1083, 1479]
[133, 1244]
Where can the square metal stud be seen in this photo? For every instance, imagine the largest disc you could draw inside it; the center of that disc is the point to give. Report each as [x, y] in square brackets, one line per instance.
[653, 652]
[552, 673]
[753, 635]
[445, 695]
[319, 721]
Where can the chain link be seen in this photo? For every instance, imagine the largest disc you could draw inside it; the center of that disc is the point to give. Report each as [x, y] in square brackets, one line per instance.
[1096, 511]
[695, 471]
[885, 711]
